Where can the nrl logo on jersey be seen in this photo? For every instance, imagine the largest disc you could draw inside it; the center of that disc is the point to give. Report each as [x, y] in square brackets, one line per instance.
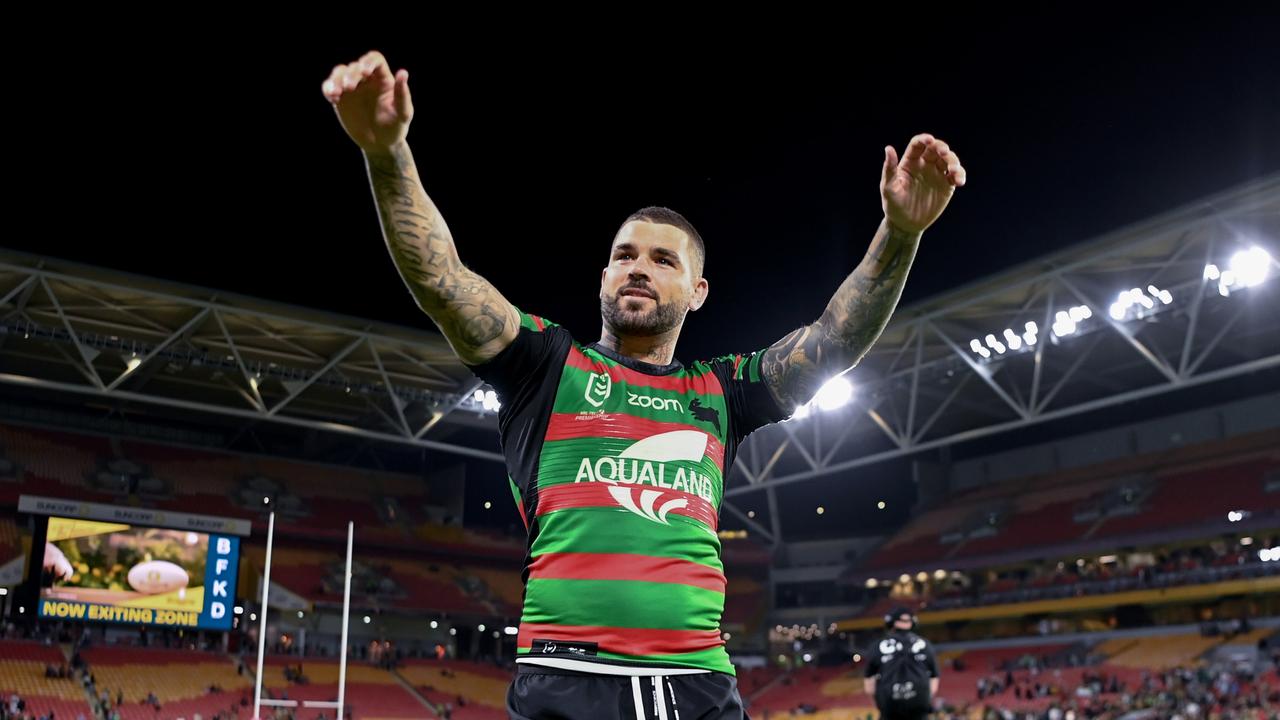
[599, 387]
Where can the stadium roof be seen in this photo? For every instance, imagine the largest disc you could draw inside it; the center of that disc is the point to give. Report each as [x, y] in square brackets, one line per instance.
[1063, 335]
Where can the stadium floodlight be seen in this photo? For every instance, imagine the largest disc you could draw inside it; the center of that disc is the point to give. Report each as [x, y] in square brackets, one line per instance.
[490, 401]
[479, 396]
[975, 345]
[367, 619]
[1246, 541]
[904, 578]
[939, 574]
[481, 627]
[1250, 267]
[1117, 311]
[1032, 328]
[1015, 342]
[985, 353]
[1211, 272]
[434, 624]
[1063, 324]
[1029, 339]
[871, 583]
[801, 412]
[834, 394]
[922, 576]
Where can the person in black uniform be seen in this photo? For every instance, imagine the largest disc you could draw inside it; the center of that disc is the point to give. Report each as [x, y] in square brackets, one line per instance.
[902, 670]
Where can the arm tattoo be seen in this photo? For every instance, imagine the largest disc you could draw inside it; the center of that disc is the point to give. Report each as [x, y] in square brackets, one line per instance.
[797, 365]
[470, 312]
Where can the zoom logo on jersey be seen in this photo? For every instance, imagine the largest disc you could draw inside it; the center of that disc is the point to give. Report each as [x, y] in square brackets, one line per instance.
[645, 401]
[599, 386]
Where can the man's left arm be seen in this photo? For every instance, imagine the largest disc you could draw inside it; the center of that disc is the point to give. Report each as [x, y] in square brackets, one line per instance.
[913, 192]
[934, 675]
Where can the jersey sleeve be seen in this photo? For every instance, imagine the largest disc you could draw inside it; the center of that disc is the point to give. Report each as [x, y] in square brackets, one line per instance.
[931, 661]
[873, 661]
[750, 403]
[524, 376]
[522, 364]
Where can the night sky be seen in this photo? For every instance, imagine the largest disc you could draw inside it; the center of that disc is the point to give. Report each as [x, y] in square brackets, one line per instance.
[219, 163]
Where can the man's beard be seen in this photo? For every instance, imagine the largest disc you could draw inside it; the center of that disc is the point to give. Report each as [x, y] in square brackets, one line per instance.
[659, 319]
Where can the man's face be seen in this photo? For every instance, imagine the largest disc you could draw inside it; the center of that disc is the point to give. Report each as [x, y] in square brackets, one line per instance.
[650, 281]
[903, 623]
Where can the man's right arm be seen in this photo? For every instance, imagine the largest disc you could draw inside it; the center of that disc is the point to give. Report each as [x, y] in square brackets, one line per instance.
[476, 319]
[375, 109]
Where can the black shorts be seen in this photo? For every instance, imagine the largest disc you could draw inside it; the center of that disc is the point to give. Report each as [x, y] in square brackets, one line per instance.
[543, 693]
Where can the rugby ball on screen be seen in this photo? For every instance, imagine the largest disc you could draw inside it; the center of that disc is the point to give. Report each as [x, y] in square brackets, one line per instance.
[157, 576]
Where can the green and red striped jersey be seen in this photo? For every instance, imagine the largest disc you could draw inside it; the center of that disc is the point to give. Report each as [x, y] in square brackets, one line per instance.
[618, 467]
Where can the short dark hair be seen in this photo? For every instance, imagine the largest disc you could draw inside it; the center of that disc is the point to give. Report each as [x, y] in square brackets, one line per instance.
[667, 216]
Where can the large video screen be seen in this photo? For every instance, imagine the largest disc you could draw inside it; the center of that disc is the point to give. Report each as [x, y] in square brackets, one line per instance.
[114, 572]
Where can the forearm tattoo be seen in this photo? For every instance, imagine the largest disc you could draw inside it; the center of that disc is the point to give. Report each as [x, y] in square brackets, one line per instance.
[797, 365]
[469, 311]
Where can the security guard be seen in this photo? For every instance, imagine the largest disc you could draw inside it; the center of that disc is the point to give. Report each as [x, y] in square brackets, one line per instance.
[902, 670]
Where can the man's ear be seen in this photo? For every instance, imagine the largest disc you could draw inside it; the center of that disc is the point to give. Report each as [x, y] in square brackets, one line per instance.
[700, 291]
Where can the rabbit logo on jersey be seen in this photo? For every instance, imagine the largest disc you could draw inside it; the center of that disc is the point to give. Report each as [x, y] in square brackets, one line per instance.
[646, 463]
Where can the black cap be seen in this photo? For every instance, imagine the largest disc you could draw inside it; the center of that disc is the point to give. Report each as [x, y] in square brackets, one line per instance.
[899, 611]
